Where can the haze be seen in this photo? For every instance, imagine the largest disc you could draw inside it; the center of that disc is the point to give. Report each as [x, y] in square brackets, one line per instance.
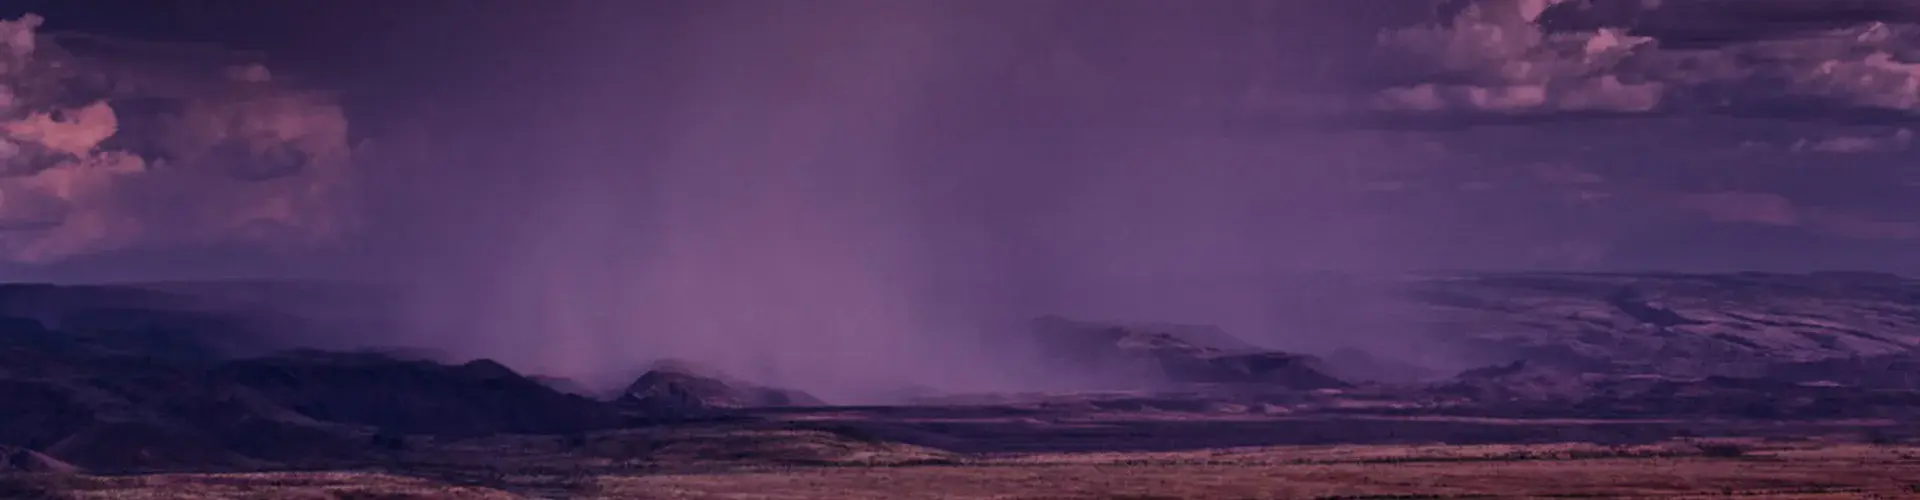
[854, 196]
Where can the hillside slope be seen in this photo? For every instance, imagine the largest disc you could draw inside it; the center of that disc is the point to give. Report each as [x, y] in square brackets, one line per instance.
[1675, 324]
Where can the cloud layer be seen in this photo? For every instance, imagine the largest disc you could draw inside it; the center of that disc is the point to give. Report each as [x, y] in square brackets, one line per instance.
[118, 150]
[1631, 56]
[1559, 133]
[1631, 132]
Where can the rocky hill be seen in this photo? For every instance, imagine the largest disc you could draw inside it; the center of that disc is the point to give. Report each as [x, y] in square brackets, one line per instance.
[1160, 355]
[674, 388]
[1749, 345]
[1746, 345]
[1671, 324]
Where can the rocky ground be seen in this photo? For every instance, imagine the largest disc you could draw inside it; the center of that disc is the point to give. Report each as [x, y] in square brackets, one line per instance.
[1589, 384]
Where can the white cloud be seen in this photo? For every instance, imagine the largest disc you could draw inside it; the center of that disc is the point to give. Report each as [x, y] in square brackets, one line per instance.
[1494, 57]
[77, 132]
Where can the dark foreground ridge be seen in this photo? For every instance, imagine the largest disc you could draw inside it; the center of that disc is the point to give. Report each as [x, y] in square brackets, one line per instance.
[132, 379]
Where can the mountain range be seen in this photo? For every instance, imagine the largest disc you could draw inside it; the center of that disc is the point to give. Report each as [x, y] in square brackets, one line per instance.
[131, 378]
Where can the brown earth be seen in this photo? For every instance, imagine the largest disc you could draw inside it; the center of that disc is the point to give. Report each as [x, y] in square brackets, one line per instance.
[1680, 469]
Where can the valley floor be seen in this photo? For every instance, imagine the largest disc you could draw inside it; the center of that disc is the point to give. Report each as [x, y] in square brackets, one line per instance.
[1845, 472]
[1671, 469]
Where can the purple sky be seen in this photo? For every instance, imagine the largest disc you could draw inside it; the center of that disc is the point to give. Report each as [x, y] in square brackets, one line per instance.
[1389, 135]
[765, 171]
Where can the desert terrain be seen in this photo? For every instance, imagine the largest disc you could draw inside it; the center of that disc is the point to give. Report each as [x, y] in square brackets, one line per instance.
[958, 250]
[1689, 470]
[1595, 386]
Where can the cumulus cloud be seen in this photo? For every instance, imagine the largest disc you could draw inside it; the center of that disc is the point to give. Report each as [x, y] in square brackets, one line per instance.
[1495, 57]
[1542, 56]
[98, 154]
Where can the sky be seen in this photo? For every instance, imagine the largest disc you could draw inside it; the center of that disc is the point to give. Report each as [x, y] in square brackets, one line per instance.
[762, 171]
[1691, 135]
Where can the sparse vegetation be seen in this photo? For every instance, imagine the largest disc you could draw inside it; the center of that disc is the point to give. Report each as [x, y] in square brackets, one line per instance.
[1313, 472]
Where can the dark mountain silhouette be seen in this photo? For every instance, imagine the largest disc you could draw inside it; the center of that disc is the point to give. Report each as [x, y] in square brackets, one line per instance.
[191, 377]
[415, 397]
[138, 387]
